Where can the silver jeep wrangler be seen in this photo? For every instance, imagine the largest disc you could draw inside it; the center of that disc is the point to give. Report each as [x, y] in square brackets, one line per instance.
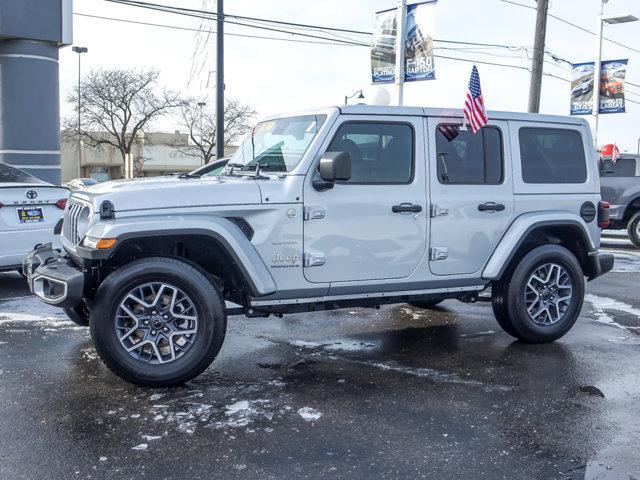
[341, 207]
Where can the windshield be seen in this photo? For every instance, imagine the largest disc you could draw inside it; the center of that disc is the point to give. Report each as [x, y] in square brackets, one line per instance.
[277, 145]
[13, 175]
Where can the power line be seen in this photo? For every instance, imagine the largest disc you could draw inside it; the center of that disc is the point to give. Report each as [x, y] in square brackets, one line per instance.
[240, 17]
[299, 41]
[211, 16]
[563, 20]
[175, 27]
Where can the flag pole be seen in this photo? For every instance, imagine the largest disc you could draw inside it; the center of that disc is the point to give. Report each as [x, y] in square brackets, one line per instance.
[401, 20]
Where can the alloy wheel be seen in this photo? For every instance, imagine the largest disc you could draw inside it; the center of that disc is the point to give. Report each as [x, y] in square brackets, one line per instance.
[156, 323]
[548, 294]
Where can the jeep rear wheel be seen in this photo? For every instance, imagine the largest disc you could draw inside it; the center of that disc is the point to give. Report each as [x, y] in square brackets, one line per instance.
[158, 322]
[633, 229]
[541, 300]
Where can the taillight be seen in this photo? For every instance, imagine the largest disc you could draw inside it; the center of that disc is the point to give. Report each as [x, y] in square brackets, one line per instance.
[62, 203]
[604, 219]
[1, 204]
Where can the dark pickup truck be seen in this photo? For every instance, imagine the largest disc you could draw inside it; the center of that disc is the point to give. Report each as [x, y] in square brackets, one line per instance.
[620, 186]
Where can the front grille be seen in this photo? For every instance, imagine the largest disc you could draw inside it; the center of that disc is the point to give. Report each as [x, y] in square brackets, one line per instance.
[70, 223]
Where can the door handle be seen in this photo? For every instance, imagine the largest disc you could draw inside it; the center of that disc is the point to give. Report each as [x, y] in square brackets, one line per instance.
[406, 208]
[490, 207]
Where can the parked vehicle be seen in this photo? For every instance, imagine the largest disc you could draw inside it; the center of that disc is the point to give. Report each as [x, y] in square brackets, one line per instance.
[620, 186]
[213, 168]
[29, 211]
[81, 183]
[341, 207]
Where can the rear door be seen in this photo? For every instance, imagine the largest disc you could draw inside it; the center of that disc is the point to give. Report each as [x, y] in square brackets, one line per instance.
[471, 187]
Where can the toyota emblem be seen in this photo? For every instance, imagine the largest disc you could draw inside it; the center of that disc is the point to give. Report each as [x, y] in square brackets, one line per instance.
[31, 194]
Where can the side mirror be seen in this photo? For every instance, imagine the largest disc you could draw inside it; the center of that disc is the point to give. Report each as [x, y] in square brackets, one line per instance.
[334, 166]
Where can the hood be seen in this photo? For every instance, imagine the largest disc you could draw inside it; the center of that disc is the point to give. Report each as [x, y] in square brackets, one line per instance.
[171, 192]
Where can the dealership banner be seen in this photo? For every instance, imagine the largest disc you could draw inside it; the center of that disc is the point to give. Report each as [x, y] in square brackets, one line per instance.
[612, 76]
[419, 27]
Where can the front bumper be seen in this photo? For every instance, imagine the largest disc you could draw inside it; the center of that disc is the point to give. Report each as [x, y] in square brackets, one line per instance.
[600, 264]
[53, 278]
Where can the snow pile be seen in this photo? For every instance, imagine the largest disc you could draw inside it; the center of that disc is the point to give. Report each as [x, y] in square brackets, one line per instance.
[309, 414]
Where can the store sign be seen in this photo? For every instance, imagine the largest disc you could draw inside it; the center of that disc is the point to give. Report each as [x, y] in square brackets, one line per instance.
[612, 77]
[419, 27]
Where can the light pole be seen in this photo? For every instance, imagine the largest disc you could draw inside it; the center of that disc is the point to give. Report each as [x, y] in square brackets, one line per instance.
[79, 51]
[201, 105]
[611, 20]
[358, 92]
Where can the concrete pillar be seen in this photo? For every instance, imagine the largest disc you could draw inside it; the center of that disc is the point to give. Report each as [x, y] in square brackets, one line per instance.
[30, 107]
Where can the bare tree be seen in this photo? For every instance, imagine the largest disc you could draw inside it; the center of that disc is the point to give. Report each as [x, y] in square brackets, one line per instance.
[117, 107]
[200, 124]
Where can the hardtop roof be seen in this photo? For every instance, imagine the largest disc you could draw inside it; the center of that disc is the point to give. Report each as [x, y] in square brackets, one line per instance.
[456, 112]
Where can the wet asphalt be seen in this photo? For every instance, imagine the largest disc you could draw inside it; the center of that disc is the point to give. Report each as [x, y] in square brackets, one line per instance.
[357, 393]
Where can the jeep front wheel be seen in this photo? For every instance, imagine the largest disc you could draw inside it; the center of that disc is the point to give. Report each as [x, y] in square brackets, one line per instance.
[542, 298]
[633, 229]
[158, 322]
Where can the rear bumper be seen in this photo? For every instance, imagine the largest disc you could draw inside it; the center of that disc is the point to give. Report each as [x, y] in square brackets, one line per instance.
[53, 278]
[600, 264]
[16, 244]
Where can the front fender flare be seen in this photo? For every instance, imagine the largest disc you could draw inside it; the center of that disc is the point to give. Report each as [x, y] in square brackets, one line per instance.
[220, 229]
[518, 231]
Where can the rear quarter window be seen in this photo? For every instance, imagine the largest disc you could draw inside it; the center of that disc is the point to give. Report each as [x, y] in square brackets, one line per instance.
[552, 155]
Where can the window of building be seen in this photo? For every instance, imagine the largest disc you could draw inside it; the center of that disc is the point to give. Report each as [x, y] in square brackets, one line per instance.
[467, 158]
[624, 167]
[380, 152]
[552, 155]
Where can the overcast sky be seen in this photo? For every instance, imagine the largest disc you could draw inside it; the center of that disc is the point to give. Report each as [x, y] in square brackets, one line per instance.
[276, 76]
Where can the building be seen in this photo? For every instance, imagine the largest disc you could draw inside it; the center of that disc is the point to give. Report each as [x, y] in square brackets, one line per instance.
[155, 154]
[31, 32]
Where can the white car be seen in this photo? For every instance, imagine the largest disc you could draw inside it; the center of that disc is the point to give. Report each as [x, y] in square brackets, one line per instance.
[81, 183]
[29, 212]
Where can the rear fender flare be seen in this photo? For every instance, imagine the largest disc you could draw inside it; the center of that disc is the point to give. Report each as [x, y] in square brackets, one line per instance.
[518, 232]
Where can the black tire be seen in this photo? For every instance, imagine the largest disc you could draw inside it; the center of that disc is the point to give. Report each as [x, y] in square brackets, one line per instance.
[633, 229]
[427, 302]
[509, 299]
[499, 306]
[207, 302]
[78, 314]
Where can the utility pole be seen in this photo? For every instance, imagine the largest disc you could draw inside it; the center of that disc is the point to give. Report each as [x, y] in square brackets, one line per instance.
[538, 56]
[201, 105]
[401, 20]
[79, 51]
[220, 80]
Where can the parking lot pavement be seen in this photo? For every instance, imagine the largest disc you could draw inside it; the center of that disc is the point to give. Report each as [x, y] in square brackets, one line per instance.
[361, 393]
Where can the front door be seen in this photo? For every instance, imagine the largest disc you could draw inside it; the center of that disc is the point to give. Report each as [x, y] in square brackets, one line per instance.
[471, 189]
[373, 226]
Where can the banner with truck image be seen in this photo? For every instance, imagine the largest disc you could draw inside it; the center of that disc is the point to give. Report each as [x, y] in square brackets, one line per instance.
[612, 76]
[419, 26]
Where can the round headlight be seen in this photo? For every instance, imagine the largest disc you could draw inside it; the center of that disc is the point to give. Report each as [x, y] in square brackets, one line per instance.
[83, 222]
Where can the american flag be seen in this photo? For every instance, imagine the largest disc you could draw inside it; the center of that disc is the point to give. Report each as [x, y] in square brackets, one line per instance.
[474, 104]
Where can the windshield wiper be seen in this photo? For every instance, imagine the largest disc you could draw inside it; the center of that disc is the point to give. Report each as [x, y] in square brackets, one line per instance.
[189, 175]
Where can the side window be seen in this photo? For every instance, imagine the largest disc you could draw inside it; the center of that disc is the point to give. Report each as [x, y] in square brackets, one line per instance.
[552, 155]
[465, 158]
[625, 167]
[380, 152]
